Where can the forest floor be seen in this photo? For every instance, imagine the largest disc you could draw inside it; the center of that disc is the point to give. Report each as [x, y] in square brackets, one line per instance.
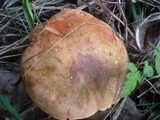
[137, 22]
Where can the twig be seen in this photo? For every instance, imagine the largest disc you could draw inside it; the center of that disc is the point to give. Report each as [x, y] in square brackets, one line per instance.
[22, 23]
[5, 25]
[58, 42]
[152, 86]
[117, 113]
[114, 16]
[145, 2]
[10, 56]
[85, 5]
[125, 21]
[111, 110]
[47, 51]
[9, 47]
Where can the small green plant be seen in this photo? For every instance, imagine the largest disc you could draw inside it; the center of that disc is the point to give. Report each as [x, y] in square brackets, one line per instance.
[132, 77]
[134, 74]
[148, 70]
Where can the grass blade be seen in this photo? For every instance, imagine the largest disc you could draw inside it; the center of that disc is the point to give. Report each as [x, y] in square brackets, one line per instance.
[28, 13]
[133, 9]
[9, 107]
[9, 3]
[157, 117]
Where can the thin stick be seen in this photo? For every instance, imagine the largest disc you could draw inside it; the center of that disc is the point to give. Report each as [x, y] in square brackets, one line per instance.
[114, 16]
[44, 54]
[10, 56]
[125, 22]
[58, 42]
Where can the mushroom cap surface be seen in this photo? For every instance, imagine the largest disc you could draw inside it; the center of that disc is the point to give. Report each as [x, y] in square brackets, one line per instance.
[75, 65]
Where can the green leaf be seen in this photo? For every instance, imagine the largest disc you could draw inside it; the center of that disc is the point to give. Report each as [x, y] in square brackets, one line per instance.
[130, 83]
[9, 107]
[157, 60]
[28, 13]
[148, 70]
[132, 67]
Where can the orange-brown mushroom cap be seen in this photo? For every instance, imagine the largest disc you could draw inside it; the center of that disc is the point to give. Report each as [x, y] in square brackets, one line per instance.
[78, 65]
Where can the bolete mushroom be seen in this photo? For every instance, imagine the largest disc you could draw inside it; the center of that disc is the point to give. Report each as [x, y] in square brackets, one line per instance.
[75, 65]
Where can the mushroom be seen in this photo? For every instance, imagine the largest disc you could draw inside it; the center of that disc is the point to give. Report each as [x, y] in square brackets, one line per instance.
[75, 65]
